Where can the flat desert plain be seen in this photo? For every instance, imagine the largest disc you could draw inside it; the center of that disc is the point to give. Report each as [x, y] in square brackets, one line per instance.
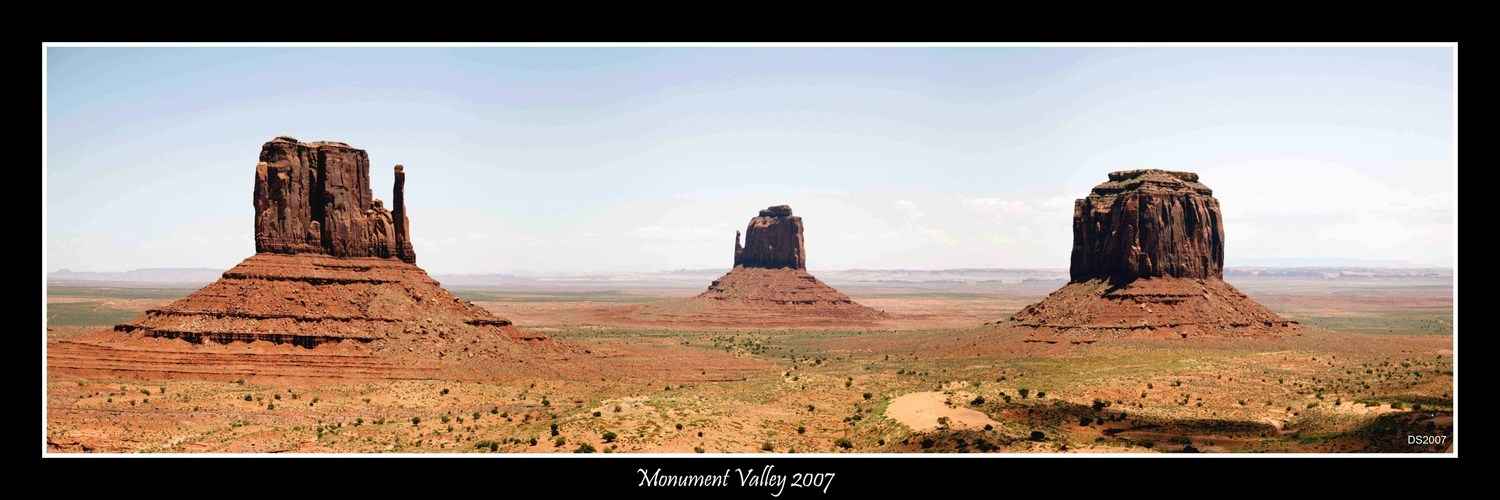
[1371, 370]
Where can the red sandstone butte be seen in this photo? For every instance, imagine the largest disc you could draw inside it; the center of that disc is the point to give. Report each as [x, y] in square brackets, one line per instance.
[773, 240]
[332, 291]
[769, 282]
[1148, 255]
[1148, 223]
[315, 198]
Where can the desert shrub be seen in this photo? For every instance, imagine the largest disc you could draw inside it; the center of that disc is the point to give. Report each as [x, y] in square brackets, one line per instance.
[553, 429]
[493, 446]
[494, 410]
[978, 400]
[416, 420]
[559, 441]
[359, 421]
[476, 415]
[1100, 405]
[584, 448]
[802, 429]
[598, 414]
[697, 449]
[545, 402]
[844, 443]
[679, 425]
[1025, 393]
[443, 392]
[249, 397]
[868, 396]
[444, 418]
[609, 436]
[1038, 436]
[532, 441]
[1041, 394]
[617, 408]
[766, 446]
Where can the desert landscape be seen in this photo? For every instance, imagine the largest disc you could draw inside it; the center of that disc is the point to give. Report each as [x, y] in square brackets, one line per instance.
[332, 339]
[1372, 363]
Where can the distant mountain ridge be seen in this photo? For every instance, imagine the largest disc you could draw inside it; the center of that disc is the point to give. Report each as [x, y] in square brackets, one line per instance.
[160, 275]
[697, 277]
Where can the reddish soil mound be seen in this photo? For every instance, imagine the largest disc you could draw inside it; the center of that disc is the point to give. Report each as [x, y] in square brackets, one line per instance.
[1169, 306]
[314, 315]
[749, 296]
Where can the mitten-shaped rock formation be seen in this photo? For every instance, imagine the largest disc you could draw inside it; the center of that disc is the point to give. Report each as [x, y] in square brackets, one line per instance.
[1148, 255]
[769, 284]
[333, 271]
[315, 198]
[773, 240]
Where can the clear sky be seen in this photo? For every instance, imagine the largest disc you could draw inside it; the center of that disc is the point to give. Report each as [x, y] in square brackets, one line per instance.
[644, 159]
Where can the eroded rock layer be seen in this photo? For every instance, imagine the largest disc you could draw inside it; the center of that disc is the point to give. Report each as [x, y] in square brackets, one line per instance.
[1166, 306]
[1148, 256]
[758, 297]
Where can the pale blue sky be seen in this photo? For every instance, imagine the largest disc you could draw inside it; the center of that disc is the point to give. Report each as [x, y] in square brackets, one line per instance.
[643, 159]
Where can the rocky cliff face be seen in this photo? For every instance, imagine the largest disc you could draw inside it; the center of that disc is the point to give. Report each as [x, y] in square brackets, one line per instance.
[773, 240]
[1148, 223]
[315, 198]
[1148, 257]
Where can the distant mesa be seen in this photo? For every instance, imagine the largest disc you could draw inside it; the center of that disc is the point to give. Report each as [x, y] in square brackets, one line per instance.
[769, 282]
[1148, 255]
[333, 269]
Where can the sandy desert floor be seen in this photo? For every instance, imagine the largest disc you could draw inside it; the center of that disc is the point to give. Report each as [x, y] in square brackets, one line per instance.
[1372, 366]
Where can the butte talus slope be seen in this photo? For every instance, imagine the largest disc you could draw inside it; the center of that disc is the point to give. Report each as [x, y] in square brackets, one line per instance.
[1148, 257]
[332, 291]
[769, 284]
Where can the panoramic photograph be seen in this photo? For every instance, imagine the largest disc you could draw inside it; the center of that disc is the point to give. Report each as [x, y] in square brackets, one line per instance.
[749, 249]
